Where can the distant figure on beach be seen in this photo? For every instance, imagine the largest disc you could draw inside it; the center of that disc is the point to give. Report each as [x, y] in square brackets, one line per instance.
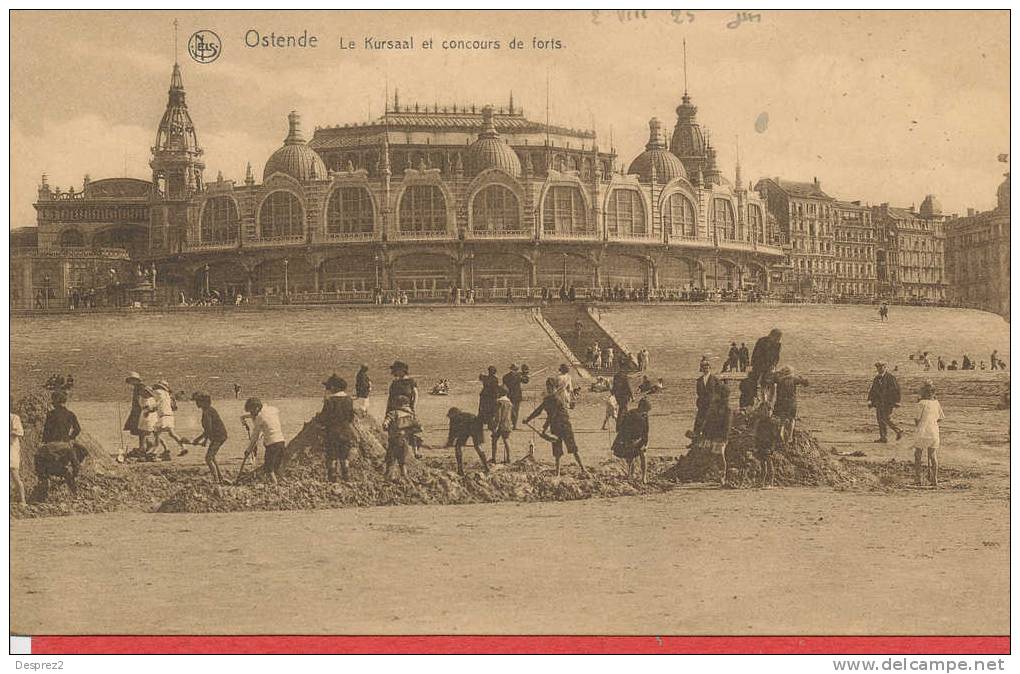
[884, 396]
[744, 357]
[632, 439]
[953, 366]
[732, 359]
[926, 435]
[994, 359]
[883, 312]
[565, 386]
[967, 363]
[237, 391]
[941, 364]
[362, 389]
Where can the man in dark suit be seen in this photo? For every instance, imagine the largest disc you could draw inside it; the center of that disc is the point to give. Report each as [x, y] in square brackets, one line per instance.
[706, 384]
[512, 382]
[336, 419]
[884, 396]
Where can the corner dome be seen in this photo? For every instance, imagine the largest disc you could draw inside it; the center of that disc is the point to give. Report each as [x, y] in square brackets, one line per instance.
[1002, 194]
[490, 152]
[295, 158]
[656, 159]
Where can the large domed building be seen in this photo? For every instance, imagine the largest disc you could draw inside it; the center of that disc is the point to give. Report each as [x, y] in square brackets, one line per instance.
[425, 199]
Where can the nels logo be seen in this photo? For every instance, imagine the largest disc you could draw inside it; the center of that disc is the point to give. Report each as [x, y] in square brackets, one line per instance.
[204, 46]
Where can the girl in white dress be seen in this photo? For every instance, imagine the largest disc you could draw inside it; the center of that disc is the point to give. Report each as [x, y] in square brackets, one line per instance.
[926, 435]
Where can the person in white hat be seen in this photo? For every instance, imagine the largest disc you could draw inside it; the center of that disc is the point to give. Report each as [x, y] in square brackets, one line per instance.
[166, 406]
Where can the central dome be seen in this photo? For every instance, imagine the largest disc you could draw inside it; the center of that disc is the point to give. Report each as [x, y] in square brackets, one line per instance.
[490, 152]
[295, 158]
[656, 158]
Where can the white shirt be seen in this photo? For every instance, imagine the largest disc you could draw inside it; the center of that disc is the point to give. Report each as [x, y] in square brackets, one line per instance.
[267, 426]
[164, 403]
[929, 413]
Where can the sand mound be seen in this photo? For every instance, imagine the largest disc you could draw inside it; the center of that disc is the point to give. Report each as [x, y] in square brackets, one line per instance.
[430, 481]
[802, 462]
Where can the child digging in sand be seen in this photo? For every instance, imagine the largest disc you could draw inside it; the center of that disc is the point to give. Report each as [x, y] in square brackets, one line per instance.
[502, 424]
[465, 426]
[561, 432]
[927, 436]
[214, 433]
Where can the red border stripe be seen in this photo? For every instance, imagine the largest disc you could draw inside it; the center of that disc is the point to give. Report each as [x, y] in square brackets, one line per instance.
[771, 645]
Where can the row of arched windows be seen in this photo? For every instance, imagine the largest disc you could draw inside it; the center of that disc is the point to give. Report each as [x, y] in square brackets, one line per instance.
[495, 208]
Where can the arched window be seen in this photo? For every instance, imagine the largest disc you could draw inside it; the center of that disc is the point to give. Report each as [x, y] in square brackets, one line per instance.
[350, 211]
[678, 216]
[219, 221]
[563, 211]
[71, 238]
[281, 215]
[722, 218]
[625, 214]
[422, 209]
[756, 222]
[495, 209]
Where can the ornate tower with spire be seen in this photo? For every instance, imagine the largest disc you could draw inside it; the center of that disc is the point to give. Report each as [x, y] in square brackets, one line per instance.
[688, 142]
[177, 167]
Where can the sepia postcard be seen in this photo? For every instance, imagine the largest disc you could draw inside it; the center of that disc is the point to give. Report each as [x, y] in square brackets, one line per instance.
[575, 331]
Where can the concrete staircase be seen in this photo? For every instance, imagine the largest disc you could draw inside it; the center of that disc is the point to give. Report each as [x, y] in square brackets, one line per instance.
[565, 319]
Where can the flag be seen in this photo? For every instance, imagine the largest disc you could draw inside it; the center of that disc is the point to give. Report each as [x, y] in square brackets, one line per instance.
[1004, 158]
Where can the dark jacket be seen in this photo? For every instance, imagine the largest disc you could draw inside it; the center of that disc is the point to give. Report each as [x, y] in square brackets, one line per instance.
[786, 397]
[60, 426]
[336, 417]
[885, 391]
[765, 356]
[705, 391]
[512, 382]
[213, 429]
[131, 423]
[465, 426]
[487, 396]
[404, 386]
[718, 418]
[632, 434]
[621, 389]
[745, 355]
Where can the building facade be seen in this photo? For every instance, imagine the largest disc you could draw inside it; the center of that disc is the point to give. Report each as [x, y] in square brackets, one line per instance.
[854, 241]
[910, 252]
[978, 257]
[806, 217]
[424, 201]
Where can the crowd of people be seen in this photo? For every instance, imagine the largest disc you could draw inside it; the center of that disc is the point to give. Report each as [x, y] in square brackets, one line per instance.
[928, 362]
[767, 403]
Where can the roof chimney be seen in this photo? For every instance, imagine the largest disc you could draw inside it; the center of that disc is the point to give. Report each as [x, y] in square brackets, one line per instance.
[817, 185]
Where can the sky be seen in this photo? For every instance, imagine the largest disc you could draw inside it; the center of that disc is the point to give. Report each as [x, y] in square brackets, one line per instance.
[879, 106]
